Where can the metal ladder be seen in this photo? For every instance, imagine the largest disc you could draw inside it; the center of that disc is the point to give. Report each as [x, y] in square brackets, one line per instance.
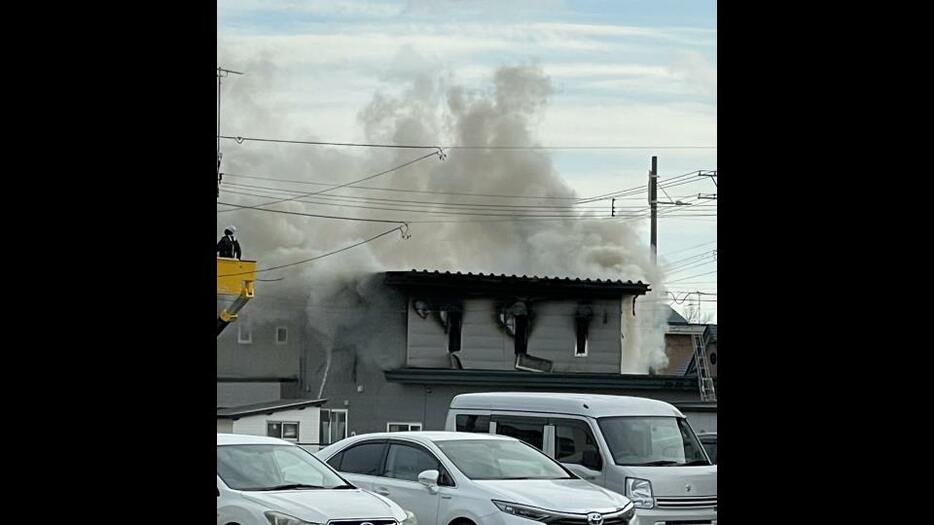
[704, 381]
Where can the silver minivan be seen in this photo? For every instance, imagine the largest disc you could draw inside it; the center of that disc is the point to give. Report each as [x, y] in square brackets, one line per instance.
[642, 448]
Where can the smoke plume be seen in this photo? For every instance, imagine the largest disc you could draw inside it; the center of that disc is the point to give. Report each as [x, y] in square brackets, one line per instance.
[430, 109]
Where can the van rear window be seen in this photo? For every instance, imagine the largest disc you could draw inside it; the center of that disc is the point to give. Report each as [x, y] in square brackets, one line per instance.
[473, 423]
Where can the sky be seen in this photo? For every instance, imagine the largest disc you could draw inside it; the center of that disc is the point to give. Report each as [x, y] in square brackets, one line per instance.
[622, 73]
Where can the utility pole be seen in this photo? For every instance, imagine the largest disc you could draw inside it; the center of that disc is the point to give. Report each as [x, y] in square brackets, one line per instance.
[653, 203]
[221, 73]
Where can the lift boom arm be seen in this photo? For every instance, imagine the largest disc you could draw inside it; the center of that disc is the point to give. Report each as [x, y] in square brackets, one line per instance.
[234, 277]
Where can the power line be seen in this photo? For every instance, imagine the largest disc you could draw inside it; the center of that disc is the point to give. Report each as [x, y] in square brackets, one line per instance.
[286, 212]
[430, 203]
[691, 266]
[409, 163]
[519, 218]
[241, 140]
[502, 212]
[691, 277]
[436, 204]
[410, 190]
[401, 228]
[628, 193]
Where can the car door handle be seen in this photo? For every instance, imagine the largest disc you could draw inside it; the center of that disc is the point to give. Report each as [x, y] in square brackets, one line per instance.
[445, 497]
[382, 492]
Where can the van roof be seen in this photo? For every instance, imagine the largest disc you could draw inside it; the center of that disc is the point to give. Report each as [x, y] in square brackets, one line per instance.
[592, 405]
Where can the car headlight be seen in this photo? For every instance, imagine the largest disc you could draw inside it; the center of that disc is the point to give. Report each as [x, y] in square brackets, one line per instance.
[278, 518]
[629, 511]
[410, 519]
[523, 511]
[640, 492]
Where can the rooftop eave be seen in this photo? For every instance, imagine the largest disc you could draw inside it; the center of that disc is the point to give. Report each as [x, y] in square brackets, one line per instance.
[442, 376]
[504, 284]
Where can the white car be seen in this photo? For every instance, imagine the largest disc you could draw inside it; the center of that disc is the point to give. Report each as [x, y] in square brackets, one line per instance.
[268, 481]
[642, 448]
[459, 478]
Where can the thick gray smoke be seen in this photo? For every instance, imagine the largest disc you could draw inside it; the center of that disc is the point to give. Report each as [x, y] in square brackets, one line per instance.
[431, 110]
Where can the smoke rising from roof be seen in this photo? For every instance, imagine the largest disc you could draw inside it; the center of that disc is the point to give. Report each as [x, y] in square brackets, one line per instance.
[430, 108]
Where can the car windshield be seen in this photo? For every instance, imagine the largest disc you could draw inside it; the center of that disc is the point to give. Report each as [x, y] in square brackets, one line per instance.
[274, 467]
[652, 441]
[480, 459]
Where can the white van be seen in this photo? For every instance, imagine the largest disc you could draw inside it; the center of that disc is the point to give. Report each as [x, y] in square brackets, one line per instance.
[642, 448]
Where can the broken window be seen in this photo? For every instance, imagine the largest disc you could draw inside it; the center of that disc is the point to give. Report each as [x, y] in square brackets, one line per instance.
[453, 321]
[520, 314]
[582, 319]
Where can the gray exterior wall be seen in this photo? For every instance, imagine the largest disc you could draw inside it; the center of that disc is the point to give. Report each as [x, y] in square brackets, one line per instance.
[239, 394]
[340, 351]
[701, 421]
[263, 357]
[485, 345]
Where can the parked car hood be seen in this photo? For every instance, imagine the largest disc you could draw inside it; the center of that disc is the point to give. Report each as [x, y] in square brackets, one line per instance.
[565, 495]
[324, 505]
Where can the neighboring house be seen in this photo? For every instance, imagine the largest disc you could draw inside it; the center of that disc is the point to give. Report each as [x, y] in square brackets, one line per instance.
[393, 356]
[295, 420]
[679, 346]
[260, 352]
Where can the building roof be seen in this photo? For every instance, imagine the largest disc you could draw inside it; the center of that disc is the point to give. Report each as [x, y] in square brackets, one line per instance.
[480, 282]
[696, 406]
[674, 317]
[555, 380]
[565, 403]
[267, 407]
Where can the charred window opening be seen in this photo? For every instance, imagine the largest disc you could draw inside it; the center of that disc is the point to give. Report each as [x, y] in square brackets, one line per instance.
[520, 315]
[422, 308]
[453, 320]
[582, 319]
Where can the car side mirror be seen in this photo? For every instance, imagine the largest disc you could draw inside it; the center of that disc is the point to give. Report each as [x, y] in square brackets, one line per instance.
[429, 478]
[592, 460]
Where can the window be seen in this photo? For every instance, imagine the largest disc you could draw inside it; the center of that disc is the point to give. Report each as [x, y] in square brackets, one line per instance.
[366, 459]
[581, 326]
[407, 462]
[574, 441]
[263, 467]
[333, 427]
[473, 423]
[453, 320]
[403, 427]
[500, 459]
[641, 440]
[528, 429]
[282, 335]
[282, 430]
[244, 332]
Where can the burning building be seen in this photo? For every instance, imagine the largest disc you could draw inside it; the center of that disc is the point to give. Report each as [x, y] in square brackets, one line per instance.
[400, 345]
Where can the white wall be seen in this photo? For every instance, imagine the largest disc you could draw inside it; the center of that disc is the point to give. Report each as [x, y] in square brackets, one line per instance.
[224, 426]
[308, 423]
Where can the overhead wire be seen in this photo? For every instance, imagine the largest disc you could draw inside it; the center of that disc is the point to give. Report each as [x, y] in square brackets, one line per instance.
[241, 140]
[390, 170]
[402, 228]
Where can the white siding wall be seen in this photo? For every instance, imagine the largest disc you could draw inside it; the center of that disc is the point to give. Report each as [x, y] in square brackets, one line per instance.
[308, 420]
